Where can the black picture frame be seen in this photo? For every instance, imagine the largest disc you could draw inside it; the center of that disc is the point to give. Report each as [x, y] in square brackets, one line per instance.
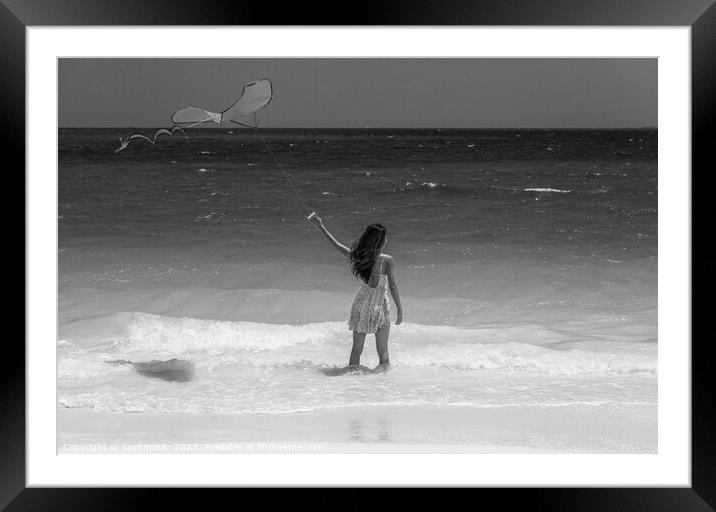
[17, 15]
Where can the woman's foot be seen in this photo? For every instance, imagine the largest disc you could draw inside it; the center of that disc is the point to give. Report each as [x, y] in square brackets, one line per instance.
[382, 367]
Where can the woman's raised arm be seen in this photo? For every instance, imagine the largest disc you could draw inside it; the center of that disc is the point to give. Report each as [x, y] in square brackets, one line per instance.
[316, 221]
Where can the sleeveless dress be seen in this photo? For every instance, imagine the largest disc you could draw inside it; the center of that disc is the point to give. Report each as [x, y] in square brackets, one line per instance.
[371, 308]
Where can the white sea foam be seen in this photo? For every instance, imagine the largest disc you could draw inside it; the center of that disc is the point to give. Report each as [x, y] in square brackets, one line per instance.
[555, 190]
[526, 357]
[312, 345]
[149, 332]
[87, 366]
[262, 368]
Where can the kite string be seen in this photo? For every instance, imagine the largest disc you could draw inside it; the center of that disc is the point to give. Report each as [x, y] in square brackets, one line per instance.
[278, 164]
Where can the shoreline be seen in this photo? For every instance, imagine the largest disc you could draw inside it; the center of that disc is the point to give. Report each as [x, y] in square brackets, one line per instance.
[525, 429]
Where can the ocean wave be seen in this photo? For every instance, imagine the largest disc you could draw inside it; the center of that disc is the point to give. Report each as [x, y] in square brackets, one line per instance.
[434, 187]
[517, 357]
[210, 215]
[145, 331]
[512, 356]
[532, 358]
[148, 332]
[547, 189]
[215, 344]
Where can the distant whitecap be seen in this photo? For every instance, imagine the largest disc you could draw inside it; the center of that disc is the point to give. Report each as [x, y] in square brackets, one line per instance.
[556, 190]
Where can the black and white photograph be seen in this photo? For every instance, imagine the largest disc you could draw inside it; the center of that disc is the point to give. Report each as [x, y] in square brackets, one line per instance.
[357, 255]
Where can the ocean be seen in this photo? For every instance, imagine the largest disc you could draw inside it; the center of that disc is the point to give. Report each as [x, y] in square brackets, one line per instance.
[526, 262]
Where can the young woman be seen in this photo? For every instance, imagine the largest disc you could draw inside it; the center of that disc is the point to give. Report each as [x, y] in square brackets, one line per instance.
[370, 312]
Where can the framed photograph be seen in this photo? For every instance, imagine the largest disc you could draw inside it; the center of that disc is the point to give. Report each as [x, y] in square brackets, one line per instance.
[414, 248]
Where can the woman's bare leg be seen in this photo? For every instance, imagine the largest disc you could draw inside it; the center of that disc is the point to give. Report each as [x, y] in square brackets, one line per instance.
[357, 350]
[381, 344]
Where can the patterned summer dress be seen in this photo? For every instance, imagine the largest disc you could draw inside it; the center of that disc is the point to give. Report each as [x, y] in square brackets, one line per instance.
[371, 308]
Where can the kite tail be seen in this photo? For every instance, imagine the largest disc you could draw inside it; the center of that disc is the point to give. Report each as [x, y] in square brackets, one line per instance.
[278, 164]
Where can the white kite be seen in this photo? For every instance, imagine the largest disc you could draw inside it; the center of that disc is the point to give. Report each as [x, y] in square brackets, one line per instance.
[255, 96]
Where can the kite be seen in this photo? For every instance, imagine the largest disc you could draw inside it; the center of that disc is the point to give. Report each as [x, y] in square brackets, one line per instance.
[255, 96]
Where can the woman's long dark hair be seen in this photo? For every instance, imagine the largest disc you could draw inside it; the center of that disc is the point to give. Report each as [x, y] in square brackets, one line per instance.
[365, 251]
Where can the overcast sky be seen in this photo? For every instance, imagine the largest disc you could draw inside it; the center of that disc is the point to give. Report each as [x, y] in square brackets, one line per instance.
[413, 93]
